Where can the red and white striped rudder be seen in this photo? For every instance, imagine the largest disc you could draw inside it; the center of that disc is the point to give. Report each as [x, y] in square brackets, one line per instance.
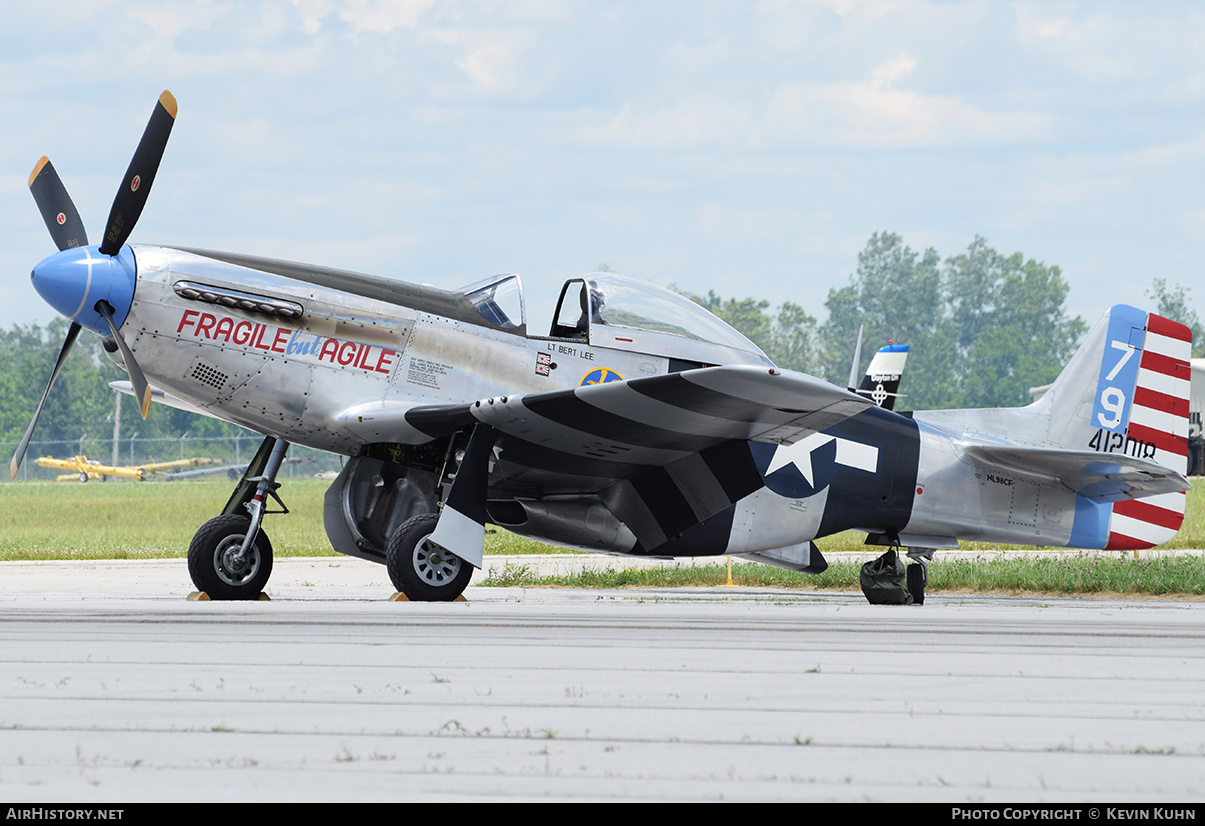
[1158, 420]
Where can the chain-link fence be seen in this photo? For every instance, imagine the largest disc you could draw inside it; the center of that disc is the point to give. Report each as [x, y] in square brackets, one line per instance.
[232, 452]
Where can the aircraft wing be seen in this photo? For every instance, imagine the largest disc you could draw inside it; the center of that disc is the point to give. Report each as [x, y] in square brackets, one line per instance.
[663, 453]
[1101, 477]
[678, 412]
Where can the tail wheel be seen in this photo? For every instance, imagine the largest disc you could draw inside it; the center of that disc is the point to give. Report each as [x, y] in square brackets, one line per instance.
[217, 567]
[917, 579]
[422, 570]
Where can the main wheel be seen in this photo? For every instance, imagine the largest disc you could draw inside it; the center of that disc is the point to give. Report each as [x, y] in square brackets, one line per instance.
[215, 565]
[419, 568]
[917, 579]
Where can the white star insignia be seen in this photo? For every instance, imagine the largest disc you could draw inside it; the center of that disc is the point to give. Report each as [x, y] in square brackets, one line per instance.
[849, 453]
[799, 455]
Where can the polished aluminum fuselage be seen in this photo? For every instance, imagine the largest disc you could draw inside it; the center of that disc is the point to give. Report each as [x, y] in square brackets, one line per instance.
[338, 369]
[324, 379]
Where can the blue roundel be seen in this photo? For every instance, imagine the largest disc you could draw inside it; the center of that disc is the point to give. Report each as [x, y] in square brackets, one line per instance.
[600, 375]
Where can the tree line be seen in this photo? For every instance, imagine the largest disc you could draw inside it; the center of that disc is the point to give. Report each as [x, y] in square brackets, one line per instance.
[983, 327]
[82, 401]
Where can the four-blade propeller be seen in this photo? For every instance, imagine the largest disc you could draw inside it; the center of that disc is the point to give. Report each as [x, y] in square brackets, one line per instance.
[95, 292]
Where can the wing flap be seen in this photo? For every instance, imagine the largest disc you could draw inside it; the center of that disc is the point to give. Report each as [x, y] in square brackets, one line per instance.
[660, 503]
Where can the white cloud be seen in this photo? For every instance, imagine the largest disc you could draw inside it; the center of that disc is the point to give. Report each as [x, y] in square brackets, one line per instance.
[870, 113]
[713, 139]
[383, 16]
[170, 20]
[699, 120]
[492, 61]
[886, 74]
[870, 10]
[312, 13]
[1116, 44]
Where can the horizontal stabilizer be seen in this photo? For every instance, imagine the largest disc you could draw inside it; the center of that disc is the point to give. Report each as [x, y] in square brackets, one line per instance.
[881, 383]
[1095, 476]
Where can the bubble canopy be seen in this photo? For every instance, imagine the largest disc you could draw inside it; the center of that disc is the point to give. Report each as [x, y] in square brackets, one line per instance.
[619, 301]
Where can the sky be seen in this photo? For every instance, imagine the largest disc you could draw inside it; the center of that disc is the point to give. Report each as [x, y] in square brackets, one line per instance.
[750, 148]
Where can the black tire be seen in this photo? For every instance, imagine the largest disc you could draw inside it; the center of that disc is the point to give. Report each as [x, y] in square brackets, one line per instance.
[83, 477]
[214, 571]
[421, 570]
[918, 578]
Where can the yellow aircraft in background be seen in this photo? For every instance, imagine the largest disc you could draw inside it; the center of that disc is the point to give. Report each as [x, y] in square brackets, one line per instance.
[84, 468]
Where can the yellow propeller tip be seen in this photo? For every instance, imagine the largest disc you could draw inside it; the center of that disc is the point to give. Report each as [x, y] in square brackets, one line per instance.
[169, 102]
[37, 169]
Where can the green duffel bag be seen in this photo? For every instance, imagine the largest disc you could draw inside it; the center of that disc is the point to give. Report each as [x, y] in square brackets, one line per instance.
[885, 580]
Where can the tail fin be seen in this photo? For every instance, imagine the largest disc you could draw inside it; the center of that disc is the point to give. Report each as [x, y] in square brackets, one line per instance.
[881, 383]
[1126, 392]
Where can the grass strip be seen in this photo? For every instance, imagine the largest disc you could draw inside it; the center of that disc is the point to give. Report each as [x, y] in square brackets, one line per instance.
[156, 520]
[1079, 575]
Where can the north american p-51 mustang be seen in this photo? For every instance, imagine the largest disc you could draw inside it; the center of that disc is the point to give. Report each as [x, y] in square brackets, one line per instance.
[639, 425]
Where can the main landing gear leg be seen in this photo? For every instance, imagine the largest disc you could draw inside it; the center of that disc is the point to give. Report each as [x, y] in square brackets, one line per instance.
[230, 557]
[431, 557]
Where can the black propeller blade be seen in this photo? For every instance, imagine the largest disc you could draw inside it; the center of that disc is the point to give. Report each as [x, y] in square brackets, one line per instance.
[142, 390]
[67, 230]
[131, 196]
[58, 211]
[72, 334]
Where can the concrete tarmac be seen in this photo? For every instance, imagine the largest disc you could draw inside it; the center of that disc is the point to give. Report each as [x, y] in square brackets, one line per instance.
[114, 688]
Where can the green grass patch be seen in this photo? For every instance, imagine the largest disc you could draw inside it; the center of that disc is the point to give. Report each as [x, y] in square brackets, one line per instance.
[1113, 574]
[121, 519]
[132, 520]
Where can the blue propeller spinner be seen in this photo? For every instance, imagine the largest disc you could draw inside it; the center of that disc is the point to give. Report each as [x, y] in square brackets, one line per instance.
[76, 280]
[93, 286]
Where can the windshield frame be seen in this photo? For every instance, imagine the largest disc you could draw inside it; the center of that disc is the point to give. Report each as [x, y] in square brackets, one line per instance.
[492, 296]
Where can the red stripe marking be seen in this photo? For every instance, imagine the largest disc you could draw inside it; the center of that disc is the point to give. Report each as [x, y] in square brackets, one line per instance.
[1159, 363]
[1151, 514]
[1155, 400]
[1167, 327]
[1160, 439]
[1121, 542]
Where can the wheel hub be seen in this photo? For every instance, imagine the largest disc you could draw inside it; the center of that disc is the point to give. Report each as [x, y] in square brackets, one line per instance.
[434, 564]
[233, 567]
